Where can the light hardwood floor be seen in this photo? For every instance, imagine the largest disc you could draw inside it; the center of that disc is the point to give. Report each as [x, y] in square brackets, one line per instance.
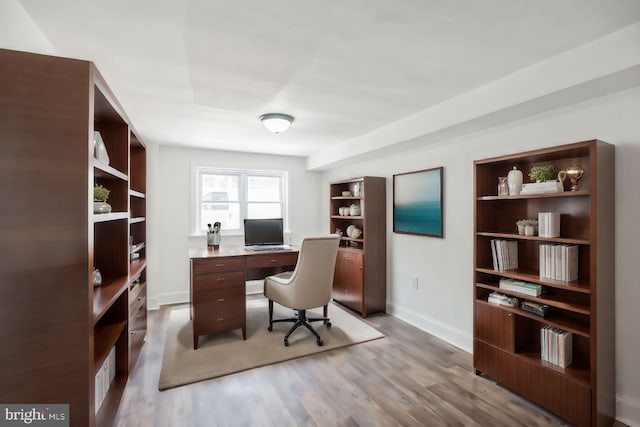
[408, 378]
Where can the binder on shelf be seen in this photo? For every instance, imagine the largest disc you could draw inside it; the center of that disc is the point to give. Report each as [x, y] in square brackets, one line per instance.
[549, 224]
[559, 262]
[504, 254]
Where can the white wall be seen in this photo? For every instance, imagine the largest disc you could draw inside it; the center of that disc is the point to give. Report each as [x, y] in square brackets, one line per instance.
[443, 303]
[169, 211]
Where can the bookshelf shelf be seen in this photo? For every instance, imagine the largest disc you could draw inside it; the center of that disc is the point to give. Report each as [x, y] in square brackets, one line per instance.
[583, 393]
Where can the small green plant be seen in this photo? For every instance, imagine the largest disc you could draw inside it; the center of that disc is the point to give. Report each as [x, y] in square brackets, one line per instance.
[542, 173]
[522, 222]
[100, 194]
[531, 222]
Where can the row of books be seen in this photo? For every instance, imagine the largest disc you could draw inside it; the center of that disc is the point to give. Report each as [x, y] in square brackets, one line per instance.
[104, 377]
[505, 254]
[559, 262]
[526, 288]
[556, 346]
[549, 224]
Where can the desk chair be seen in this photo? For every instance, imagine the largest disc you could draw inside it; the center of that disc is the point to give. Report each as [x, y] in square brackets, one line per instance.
[307, 286]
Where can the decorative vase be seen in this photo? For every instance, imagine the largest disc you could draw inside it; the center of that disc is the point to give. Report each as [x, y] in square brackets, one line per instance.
[503, 187]
[521, 230]
[101, 207]
[514, 179]
[100, 149]
[354, 210]
[529, 230]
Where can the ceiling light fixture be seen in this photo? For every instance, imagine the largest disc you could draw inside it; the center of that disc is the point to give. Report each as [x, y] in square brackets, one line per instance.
[276, 122]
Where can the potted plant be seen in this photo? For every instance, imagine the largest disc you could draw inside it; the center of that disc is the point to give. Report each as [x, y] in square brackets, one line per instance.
[100, 197]
[530, 227]
[542, 173]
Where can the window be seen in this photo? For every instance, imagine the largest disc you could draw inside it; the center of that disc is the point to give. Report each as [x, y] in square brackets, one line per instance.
[229, 196]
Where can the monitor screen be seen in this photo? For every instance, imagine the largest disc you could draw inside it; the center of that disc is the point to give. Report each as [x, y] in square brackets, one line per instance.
[263, 232]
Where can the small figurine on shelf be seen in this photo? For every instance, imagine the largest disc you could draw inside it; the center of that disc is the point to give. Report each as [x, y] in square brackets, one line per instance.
[213, 235]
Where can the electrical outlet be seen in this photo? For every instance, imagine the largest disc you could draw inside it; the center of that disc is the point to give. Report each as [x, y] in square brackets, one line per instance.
[414, 282]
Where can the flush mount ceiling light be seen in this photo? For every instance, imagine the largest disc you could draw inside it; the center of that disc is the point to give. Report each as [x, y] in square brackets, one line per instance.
[276, 122]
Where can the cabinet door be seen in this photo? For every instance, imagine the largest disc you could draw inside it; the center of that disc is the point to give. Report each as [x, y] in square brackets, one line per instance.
[348, 280]
[494, 326]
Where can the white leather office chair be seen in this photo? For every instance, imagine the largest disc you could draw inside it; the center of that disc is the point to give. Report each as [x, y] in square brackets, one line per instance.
[307, 286]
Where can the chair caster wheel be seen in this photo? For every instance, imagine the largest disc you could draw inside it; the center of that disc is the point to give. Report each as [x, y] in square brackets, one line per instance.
[320, 343]
[328, 324]
[286, 342]
[269, 328]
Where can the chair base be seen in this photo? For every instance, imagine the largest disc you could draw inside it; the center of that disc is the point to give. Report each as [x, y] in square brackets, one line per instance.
[300, 320]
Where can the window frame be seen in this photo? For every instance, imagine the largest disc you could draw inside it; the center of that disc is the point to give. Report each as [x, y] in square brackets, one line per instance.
[243, 175]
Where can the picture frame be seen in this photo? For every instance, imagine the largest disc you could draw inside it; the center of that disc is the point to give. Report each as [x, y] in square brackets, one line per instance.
[418, 203]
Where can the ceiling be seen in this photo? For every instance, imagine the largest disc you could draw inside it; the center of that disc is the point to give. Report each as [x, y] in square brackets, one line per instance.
[200, 72]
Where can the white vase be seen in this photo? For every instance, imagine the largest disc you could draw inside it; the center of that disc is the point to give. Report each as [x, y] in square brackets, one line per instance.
[529, 230]
[514, 179]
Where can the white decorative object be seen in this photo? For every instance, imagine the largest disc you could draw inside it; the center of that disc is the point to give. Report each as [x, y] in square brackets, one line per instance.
[99, 149]
[101, 207]
[354, 210]
[514, 178]
[542, 187]
[529, 230]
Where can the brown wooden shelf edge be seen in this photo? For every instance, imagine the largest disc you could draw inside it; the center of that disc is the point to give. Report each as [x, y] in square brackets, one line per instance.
[106, 294]
[576, 286]
[108, 170]
[551, 302]
[105, 337]
[536, 196]
[536, 238]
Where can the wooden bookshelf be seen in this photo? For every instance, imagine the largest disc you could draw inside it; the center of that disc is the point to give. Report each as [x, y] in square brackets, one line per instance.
[360, 277]
[65, 328]
[507, 342]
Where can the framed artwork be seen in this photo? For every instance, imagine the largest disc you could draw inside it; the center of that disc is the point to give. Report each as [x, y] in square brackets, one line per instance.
[417, 203]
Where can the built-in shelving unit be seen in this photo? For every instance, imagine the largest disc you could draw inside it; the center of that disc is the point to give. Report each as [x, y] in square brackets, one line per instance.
[360, 278]
[507, 340]
[66, 327]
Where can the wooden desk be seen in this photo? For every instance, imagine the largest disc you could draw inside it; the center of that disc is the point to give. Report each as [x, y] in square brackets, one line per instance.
[217, 286]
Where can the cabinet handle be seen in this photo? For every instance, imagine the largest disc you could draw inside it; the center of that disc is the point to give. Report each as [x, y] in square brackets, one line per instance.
[220, 299]
[509, 314]
[219, 265]
[220, 279]
[348, 258]
[220, 319]
[273, 260]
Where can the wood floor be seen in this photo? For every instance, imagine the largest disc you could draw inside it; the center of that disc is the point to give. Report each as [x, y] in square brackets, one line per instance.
[408, 378]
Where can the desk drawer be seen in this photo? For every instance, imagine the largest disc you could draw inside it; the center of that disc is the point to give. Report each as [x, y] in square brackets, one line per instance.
[218, 311]
[217, 265]
[209, 281]
[272, 259]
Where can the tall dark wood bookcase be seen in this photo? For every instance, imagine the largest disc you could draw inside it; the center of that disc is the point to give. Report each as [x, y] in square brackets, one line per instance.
[360, 280]
[57, 329]
[507, 343]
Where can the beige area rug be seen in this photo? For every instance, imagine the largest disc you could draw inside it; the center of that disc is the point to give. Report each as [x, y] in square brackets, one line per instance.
[227, 353]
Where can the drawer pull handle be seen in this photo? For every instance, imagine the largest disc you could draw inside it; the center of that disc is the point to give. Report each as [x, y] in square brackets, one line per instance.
[220, 279]
[273, 260]
[348, 258]
[220, 319]
[219, 265]
[220, 299]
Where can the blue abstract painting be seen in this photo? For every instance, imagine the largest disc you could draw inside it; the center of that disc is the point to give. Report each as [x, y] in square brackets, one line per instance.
[417, 202]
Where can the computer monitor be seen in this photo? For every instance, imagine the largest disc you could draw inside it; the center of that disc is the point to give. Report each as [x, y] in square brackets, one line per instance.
[263, 232]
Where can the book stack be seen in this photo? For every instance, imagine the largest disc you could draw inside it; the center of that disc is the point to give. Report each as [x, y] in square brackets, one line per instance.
[104, 377]
[549, 224]
[559, 262]
[525, 288]
[502, 299]
[556, 346]
[505, 254]
[542, 187]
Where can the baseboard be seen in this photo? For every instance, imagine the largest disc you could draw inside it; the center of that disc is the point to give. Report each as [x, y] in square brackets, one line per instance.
[627, 411]
[451, 335]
